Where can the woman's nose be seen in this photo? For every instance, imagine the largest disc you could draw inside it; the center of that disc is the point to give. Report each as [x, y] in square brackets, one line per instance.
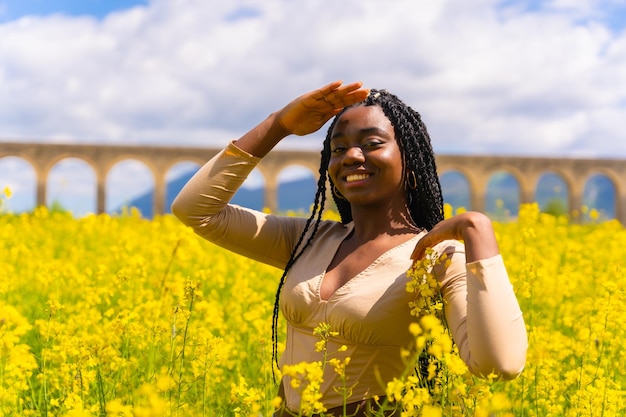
[353, 154]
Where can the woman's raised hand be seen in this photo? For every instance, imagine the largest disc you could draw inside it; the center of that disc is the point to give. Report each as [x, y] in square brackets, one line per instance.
[474, 228]
[309, 112]
[306, 114]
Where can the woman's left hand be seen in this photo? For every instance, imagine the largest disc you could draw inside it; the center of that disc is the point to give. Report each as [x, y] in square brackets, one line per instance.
[472, 227]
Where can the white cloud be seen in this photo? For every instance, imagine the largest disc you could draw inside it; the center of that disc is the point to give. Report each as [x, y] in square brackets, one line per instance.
[195, 72]
[488, 76]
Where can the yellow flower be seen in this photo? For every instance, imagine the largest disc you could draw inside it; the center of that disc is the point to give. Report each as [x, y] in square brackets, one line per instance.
[117, 409]
[415, 329]
[320, 345]
[90, 303]
[394, 389]
[277, 402]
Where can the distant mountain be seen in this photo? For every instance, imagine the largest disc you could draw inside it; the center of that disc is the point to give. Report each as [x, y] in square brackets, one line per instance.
[294, 195]
[298, 195]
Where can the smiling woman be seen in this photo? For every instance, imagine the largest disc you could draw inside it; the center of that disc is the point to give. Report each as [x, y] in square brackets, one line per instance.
[347, 280]
[16, 9]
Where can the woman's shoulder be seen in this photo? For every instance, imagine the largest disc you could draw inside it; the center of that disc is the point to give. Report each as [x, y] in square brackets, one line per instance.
[332, 229]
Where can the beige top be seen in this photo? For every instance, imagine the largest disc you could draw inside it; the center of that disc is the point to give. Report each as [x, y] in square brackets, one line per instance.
[371, 311]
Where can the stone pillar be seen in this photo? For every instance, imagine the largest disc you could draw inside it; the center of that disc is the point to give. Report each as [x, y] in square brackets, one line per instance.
[575, 200]
[477, 200]
[159, 195]
[527, 193]
[478, 190]
[100, 195]
[41, 189]
[620, 206]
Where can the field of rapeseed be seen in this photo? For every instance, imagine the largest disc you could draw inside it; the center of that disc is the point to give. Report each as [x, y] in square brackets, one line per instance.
[122, 316]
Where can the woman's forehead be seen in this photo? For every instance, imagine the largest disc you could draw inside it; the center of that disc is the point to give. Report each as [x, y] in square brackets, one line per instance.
[362, 117]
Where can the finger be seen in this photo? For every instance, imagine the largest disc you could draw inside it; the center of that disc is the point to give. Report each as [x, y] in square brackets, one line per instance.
[348, 88]
[326, 90]
[347, 95]
[355, 97]
[427, 241]
[419, 251]
[336, 91]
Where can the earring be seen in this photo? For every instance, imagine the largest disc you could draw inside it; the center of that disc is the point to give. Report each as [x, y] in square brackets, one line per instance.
[336, 193]
[411, 180]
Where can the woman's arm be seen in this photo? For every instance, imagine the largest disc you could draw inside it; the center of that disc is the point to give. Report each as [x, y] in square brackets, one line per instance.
[304, 115]
[203, 202]
[484, 316]
[481, 308]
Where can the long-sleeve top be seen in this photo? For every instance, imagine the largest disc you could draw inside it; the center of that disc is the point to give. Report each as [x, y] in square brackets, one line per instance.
[371, 312]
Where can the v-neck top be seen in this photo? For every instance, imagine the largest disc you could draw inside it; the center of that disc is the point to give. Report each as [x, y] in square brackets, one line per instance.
[371, 312]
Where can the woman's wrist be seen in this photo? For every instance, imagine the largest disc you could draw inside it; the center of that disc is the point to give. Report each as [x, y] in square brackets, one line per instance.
[262, 138]
[478, 235]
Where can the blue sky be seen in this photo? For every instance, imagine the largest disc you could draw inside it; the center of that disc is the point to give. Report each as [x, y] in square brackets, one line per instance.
[15, 9]
[611, 13]
[513, 77]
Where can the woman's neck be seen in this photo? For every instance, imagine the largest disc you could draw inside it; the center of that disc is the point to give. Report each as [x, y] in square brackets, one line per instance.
[370, 225]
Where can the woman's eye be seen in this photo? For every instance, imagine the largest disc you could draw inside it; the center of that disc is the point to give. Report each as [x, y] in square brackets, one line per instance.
[372, 143]
[338, 149]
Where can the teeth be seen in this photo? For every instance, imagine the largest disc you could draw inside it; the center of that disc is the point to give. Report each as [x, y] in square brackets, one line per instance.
[356, 177]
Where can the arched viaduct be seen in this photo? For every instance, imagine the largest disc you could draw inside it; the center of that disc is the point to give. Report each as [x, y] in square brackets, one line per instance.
[476, 169]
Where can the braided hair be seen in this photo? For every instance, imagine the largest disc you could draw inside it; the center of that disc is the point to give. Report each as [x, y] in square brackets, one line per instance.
[425, 200]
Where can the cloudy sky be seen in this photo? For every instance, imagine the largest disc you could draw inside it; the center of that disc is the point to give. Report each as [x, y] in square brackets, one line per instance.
[512, 77]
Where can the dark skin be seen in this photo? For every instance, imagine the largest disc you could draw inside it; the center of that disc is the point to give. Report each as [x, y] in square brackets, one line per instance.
[363, 143]
[366, 168]
[309, 112]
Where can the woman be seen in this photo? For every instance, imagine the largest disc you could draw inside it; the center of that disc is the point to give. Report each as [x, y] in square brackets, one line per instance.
[351, 274]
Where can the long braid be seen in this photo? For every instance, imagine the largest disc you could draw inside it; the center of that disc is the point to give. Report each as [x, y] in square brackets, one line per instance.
[424, 199]
[316, 214]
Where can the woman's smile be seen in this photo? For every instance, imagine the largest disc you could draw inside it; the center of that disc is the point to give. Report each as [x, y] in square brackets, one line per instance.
[366, 164]
[358, 177]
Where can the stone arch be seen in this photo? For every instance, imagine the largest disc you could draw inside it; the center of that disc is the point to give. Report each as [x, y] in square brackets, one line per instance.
[593, 189]
[477, 169]
[619, 185]
[112, 204]
[29, 159]
[274, 163]
[45, 168]
[20, 176]
[553, 193]
[77, 191]
[456, 189]
[526, 181]
[503, 195]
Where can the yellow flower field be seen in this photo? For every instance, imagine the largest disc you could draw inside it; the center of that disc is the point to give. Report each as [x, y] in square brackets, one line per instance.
[122, 316]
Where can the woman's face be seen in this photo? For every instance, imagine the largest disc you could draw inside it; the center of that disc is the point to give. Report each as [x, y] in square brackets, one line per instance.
[365, 160]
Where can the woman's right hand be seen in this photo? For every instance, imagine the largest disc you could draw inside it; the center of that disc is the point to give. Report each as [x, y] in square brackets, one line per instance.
[304, 115]
[309, 112]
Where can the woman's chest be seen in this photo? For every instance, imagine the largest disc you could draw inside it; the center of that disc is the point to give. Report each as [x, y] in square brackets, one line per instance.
[371, 307]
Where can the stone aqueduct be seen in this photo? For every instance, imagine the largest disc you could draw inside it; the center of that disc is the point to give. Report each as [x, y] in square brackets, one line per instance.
[476, 169]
